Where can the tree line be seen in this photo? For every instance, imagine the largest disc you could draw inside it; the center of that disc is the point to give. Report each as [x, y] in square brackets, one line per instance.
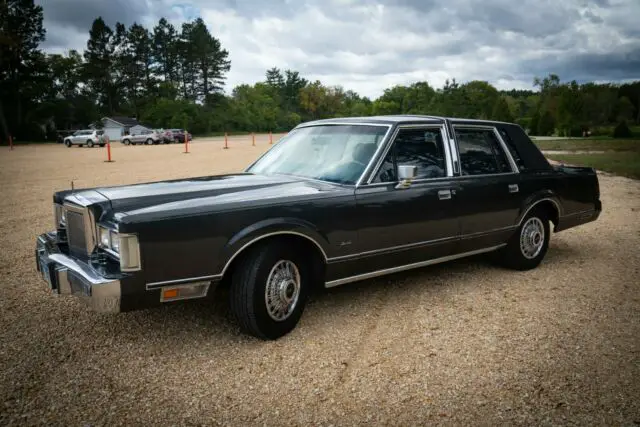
[170, 76]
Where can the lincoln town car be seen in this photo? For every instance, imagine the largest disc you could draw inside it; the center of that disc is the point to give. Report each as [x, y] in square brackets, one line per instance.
[333, 202]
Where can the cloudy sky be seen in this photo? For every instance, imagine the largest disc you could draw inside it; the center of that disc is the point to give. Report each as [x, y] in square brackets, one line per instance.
[369, 45]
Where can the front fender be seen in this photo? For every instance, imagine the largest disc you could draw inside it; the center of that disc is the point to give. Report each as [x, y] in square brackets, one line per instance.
[268, 228]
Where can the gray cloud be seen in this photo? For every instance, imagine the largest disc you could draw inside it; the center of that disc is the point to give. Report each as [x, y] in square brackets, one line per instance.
[624, 65]
[367, 45]
[80, 14]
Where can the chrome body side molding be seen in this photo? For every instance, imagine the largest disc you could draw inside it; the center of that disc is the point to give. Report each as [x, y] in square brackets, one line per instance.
[398, 269]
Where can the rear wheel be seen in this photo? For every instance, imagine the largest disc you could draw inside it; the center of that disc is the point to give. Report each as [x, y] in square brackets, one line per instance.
[528, 246]
[149, 141]
[90, 143]
[269, 289]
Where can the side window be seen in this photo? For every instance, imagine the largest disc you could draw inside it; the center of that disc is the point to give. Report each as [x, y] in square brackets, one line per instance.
[480, 152]
[423, 148]
[512, 149]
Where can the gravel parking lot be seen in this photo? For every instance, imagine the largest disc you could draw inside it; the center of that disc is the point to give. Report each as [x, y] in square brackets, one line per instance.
[459, 343]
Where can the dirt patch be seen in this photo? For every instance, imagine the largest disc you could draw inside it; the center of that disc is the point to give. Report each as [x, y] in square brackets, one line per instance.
[461, 343]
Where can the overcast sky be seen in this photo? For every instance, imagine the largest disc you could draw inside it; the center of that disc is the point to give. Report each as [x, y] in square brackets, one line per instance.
[369, 45]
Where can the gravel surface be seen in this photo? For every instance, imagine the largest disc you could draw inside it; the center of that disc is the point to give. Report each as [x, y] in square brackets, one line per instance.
[461, 343]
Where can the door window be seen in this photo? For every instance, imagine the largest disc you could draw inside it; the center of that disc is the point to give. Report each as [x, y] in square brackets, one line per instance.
[480, 152]
[422, 147]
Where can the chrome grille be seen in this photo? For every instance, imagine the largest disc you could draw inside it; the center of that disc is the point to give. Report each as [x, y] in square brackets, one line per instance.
[76, 233]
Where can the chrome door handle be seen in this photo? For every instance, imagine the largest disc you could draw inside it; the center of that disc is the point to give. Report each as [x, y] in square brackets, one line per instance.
[513, 188]
[444, 194]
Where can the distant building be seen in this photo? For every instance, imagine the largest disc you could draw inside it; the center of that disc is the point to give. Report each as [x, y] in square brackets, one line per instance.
[117, 126]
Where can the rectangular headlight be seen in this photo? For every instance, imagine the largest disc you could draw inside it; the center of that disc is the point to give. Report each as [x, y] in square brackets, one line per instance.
[58, 215]
[115, 241]
[104, 236]
[129, 252]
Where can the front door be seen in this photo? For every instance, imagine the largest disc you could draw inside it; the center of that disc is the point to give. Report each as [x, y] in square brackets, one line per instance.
[402, 226]
[489, 197]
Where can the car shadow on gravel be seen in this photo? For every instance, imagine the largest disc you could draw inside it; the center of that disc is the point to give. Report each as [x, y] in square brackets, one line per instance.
[210, 318]
[213, 316]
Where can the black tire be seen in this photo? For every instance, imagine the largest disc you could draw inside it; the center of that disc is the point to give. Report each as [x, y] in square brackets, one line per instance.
[149, 141]
[68, 143]
[102, 145]
[89, 143]
[528, 254]
[247, 296]
[126, 141]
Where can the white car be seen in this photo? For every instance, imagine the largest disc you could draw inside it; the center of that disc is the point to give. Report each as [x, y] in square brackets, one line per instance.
[88, 137]
[146, 136]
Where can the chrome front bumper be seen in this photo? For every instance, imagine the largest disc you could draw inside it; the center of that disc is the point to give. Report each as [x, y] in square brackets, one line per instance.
[65, 275]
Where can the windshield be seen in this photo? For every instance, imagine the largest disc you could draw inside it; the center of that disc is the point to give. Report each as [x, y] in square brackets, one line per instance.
[335, 153]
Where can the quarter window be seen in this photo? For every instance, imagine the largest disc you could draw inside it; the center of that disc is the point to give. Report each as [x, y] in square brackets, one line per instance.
[423, 148]
[480, 152]
[512, 149]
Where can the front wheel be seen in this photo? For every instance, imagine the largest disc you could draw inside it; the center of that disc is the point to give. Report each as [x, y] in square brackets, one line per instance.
[269, 290]
[67, 143]
[528, 246]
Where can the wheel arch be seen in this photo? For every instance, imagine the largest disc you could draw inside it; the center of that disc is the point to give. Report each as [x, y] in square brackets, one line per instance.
[547, 202]
[295, 231]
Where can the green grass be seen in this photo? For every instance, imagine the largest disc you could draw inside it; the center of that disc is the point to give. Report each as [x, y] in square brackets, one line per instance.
[590, 144]
[620, 163]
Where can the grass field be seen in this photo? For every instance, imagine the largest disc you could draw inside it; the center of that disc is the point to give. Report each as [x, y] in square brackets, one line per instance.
[590, 144]
[618, 156]
[625, 163]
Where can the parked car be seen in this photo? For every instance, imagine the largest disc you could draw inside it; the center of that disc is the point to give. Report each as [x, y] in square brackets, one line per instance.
[177, 135]
[333, 202]
[148, 136]
[62, 134]
[167, 136]
[88, 137]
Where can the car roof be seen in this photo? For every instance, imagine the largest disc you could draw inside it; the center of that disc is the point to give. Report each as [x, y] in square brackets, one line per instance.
[397, 119]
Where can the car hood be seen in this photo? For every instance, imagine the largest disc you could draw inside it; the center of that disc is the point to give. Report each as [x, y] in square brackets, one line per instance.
[187, 196]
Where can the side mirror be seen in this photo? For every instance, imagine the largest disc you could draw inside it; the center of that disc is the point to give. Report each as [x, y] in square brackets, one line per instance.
[406, 174]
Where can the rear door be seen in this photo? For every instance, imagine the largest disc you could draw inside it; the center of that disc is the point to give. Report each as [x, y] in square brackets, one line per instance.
[489, 198]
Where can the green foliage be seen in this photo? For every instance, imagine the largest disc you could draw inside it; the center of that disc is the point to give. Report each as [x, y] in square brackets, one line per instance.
[622, 130]
[546, 124]
[501, 110]
[175, 76]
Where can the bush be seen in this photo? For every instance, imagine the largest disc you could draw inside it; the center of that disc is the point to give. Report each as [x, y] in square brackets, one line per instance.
[546, 125]
[524, 122]
[622, 130]
[601, 130]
